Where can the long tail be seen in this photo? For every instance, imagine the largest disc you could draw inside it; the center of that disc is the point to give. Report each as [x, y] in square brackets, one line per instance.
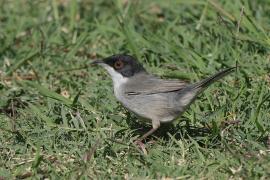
[208, 81]
[189, 94]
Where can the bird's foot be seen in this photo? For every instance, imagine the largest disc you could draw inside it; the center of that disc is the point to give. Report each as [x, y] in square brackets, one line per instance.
[152, 142]
[141, 145]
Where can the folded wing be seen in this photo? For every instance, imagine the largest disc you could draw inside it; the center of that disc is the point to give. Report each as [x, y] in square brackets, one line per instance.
[147, 84]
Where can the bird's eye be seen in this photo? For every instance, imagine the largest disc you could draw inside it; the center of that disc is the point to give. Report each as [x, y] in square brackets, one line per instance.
[118, 64]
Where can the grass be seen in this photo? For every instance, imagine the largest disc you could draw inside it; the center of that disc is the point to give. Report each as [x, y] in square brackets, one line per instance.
[58, 115]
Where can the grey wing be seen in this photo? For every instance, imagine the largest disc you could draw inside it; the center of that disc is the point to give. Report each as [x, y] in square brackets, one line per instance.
[148, 84]
[153, 98]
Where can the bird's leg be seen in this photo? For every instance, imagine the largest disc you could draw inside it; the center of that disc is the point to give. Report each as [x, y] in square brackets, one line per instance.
[155, 126]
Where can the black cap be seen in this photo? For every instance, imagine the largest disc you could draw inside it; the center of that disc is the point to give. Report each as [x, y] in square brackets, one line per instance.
[125, 64]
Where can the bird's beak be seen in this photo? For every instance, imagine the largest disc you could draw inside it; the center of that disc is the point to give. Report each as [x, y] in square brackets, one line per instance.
[96, 62]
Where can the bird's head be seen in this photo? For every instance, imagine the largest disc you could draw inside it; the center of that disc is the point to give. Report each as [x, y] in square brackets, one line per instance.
[120, 65]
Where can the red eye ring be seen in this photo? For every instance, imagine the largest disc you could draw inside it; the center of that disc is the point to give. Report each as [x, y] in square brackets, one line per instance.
[118, 64]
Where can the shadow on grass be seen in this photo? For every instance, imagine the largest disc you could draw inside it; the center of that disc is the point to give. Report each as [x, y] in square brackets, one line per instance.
[179, 131]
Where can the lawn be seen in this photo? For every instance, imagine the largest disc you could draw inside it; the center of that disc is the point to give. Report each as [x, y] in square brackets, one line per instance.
[60, 119]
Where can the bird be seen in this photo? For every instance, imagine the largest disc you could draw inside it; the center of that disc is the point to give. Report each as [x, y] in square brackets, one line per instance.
[150, 97]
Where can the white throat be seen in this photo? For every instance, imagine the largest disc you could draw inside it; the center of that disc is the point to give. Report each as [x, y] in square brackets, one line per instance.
[118, 79]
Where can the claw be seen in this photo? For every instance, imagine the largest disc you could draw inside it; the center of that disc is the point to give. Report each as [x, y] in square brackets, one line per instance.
[141, 146]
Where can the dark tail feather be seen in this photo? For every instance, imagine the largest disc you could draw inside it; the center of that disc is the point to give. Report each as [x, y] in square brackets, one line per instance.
[208, 81]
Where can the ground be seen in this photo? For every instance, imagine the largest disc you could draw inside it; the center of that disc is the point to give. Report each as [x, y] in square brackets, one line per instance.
[58, 115]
